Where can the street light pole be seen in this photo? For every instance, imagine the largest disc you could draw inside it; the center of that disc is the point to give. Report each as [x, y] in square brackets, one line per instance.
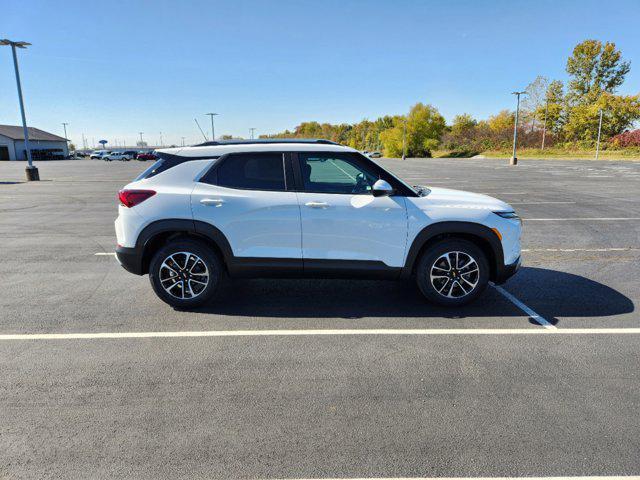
[31, 170]
[64, 124]
[213, 132]
[404, 139]
[514, 158]
[252, 130]
[141, 140]
[599, 132]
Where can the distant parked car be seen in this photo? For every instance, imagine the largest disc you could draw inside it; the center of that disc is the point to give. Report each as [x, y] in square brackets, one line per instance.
[142, 156]
[80, 154]
[132, 153]
[99, 154]
[121, 156]
[375, 155]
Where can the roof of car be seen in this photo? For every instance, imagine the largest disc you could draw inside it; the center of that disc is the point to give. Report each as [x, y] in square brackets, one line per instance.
[219, 148]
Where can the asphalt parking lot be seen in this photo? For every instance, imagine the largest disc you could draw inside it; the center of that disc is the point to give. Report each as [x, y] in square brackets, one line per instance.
[323, 379]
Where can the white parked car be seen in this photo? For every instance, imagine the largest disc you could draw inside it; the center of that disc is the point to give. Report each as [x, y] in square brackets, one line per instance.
[98, 154]
[122, 156]
[305, 209]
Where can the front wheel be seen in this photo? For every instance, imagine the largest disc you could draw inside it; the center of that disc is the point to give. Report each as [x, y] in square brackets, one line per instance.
[185, 273]
[452, 272]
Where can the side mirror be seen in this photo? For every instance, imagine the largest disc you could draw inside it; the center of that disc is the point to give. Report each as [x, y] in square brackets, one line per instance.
[382, 189]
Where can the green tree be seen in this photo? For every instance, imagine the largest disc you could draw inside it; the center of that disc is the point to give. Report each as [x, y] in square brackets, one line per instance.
[618, 114]
[424, 126]
[463, 124]
[552, 111]
[595, 68]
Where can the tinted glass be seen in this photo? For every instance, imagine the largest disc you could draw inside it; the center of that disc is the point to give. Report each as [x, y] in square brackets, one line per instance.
[335, 173]
[252, 171]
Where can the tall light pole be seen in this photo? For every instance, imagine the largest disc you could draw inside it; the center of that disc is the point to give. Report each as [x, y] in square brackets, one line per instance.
[514, 158]
[213, 132]
[182, 141]
[252, 130]
[599, 132]
[64, 125]
[404, 139]
[141, 140]
[31, 170]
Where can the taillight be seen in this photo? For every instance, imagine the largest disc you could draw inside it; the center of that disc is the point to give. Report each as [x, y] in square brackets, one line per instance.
[131, 198]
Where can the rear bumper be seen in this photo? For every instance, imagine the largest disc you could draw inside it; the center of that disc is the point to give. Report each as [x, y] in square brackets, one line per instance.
[507, 271]
[130, 259]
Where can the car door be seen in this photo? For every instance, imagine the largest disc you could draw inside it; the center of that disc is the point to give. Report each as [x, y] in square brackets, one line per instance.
[248, 198]
[341, 219]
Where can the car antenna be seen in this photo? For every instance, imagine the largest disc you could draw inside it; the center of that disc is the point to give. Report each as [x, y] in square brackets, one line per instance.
[205, 137]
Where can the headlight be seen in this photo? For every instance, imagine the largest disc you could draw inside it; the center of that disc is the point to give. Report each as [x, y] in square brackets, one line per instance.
[508, 215]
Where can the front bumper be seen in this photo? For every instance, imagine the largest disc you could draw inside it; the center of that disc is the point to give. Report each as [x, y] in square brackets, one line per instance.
[507, 271]
[130, 259]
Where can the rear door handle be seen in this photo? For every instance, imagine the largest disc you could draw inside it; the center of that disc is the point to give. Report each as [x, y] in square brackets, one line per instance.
[209, 202]
[317, 204]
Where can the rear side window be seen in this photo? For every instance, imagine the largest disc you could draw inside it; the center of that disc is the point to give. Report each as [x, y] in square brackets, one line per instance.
[252, 171]
[167, 161]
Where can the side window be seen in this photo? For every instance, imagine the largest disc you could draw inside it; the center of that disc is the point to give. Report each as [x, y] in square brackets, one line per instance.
[335, 173]
[252, 171]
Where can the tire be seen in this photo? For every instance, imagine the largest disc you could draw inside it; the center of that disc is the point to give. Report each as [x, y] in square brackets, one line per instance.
[456, 286]
[168, 275]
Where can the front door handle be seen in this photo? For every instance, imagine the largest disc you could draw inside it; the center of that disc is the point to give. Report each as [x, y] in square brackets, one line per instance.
[317, 204]
[209, 202]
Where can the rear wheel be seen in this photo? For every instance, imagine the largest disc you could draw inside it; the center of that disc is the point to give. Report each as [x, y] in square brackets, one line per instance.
[452, 272]
[185, 273]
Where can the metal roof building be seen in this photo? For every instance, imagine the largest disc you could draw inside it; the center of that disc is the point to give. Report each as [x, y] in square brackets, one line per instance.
[44, 145]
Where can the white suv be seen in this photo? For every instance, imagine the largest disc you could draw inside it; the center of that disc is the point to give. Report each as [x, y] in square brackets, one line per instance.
[121, 156]
[305, 208]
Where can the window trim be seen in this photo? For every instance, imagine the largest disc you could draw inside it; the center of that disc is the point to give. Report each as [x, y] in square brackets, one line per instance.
[400, 190]
[210, 176]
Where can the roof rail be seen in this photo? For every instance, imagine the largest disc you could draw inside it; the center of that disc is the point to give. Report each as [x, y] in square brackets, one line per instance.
[266, 141]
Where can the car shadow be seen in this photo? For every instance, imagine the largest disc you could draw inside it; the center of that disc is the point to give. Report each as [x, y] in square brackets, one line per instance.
[564, 294]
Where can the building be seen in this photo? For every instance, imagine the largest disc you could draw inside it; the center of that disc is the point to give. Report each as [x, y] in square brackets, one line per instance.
[44, 145]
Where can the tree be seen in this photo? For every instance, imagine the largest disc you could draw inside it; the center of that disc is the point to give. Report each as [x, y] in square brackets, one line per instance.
[463, 124]
[551, 112]
[502, 121]
[595, 68]
[618, 114]
[424, 128]
[533, 100]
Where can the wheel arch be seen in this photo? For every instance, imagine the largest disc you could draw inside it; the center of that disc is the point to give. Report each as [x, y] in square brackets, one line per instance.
[158, 233]
[480, 235]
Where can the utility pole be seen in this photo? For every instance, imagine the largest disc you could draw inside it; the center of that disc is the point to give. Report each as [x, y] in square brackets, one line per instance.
[161, 141]
[514, 158]
[213, 132]
[544, 127]
[182, 141]
[252, 130]
[404, 139]
[141, 140]
[31, 170]
[599, 132]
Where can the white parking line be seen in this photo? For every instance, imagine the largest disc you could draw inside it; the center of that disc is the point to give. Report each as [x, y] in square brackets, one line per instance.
[597, 477]
[323, 332]
[105, 253]
[612, 249]
[539, 203]
[539, 319]
[589, 219]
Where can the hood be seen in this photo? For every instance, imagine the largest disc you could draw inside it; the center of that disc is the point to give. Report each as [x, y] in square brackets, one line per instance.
[445, 197]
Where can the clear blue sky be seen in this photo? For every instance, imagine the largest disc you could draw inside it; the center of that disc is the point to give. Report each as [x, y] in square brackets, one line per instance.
[112, 69]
